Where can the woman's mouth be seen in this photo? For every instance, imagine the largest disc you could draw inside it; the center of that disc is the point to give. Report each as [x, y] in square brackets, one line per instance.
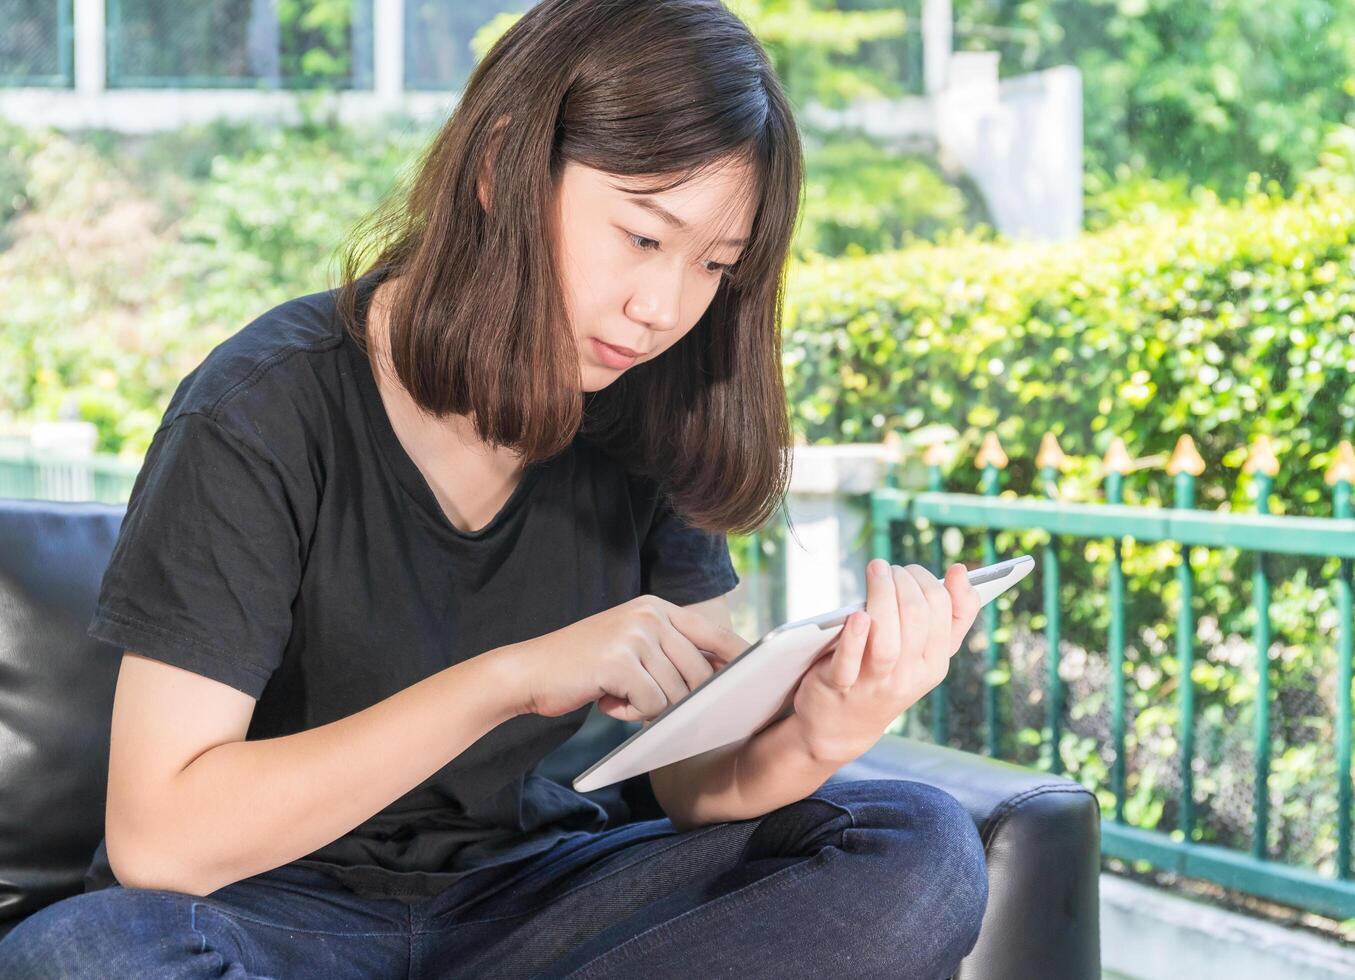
[613, 357]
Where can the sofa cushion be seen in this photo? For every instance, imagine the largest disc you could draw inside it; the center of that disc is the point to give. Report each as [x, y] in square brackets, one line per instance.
[56, 699]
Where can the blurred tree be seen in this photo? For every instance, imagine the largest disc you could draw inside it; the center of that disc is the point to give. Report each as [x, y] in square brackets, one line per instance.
[817, 47]
[315, 36]
[1204, 91]
[821, 50]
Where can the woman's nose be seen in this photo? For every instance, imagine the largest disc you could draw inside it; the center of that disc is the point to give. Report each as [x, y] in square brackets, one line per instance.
[658, 302]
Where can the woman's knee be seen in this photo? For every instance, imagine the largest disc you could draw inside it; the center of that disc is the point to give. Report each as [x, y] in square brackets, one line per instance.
[114, 931]
[926, 813]
[926, 856]
[960, 869]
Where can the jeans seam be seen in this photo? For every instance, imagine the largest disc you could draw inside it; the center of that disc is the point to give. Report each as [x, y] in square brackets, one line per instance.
[234, 914]
[847, 810]
[202, 936]
[587, 884]
[409, 968]
[740, 896]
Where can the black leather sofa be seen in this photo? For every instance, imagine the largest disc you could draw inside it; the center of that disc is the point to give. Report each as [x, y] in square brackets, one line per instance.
[1041, 832]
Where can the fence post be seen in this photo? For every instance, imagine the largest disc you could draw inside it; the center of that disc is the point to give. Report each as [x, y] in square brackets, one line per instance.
[1341, 475]
[940, 697]
[1185, 465]
[1117, 463]
[1051, 461]
[992, 460]
[1264, 466]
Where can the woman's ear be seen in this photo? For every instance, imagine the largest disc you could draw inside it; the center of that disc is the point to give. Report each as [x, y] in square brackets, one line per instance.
[483, 181]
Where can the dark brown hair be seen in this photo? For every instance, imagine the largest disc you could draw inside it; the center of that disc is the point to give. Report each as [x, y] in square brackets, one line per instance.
[661, 89]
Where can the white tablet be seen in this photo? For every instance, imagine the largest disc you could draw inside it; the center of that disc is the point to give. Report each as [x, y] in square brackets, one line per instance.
[752, 690]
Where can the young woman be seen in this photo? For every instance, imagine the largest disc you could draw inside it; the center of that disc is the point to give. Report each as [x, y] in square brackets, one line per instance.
[392, 541]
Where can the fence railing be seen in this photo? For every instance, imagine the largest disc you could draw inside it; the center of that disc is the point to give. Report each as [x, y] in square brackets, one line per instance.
[1261, 533]
[48, 476]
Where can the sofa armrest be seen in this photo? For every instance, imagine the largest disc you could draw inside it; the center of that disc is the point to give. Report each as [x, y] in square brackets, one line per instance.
[1042, 835]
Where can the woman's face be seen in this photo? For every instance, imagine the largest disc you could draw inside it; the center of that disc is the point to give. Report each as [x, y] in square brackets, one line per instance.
[634, 278]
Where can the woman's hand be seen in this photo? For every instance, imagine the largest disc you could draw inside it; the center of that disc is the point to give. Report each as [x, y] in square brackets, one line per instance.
[634, 659]
[886, 658]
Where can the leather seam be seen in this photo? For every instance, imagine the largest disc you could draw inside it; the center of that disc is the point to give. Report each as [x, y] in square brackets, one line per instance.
[1011, 804]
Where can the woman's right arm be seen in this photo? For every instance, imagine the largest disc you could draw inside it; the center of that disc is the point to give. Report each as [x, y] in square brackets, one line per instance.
[192, 806]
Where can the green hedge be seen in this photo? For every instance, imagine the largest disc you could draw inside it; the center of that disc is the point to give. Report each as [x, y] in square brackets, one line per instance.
[1220, 320]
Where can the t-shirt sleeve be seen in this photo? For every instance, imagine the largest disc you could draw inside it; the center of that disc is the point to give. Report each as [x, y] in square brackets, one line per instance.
[207, 561]
[682, 563]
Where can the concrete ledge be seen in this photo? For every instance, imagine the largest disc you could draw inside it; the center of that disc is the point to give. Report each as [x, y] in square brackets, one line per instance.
[1148, 934]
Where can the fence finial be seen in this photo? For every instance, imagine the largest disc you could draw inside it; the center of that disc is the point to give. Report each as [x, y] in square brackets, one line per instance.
[935, 455]
[1343, 466]
[1185, 457]
[1262, 457]
[990, 453]
[1050, 454]
[893, 446]
[1117, 458]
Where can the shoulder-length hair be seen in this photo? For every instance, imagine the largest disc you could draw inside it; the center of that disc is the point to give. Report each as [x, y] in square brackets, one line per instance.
[477, 320]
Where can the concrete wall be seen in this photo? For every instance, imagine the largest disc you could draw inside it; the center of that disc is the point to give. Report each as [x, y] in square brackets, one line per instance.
[1150, 934]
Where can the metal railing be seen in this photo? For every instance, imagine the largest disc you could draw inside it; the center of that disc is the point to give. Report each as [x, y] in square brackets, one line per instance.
[1261, 533]
[47, 476]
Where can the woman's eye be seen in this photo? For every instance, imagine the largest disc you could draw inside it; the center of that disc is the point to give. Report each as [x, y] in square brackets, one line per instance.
[648, 245]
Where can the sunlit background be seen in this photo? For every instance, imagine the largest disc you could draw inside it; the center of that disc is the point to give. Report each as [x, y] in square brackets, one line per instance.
[1042, 242]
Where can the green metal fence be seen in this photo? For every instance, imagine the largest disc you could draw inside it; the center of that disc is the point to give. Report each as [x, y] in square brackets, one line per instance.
[47, 476]
[1261, 533]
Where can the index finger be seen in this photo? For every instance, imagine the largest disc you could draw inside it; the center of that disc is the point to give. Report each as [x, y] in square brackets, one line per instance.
[724, 643]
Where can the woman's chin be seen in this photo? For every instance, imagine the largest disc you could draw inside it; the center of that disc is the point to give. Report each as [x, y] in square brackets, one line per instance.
[596, 378]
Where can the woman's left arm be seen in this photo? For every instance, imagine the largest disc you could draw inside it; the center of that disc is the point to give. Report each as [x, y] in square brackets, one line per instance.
[843, 705]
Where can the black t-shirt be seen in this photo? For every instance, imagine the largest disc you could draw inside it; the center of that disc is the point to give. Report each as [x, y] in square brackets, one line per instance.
[279, 539]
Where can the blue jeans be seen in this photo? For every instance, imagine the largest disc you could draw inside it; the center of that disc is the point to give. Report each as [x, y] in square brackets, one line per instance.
[862, 878]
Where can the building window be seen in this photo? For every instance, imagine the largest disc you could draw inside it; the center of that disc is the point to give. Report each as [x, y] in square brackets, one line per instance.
[240, 44]
[35, 43]
[437, 39]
